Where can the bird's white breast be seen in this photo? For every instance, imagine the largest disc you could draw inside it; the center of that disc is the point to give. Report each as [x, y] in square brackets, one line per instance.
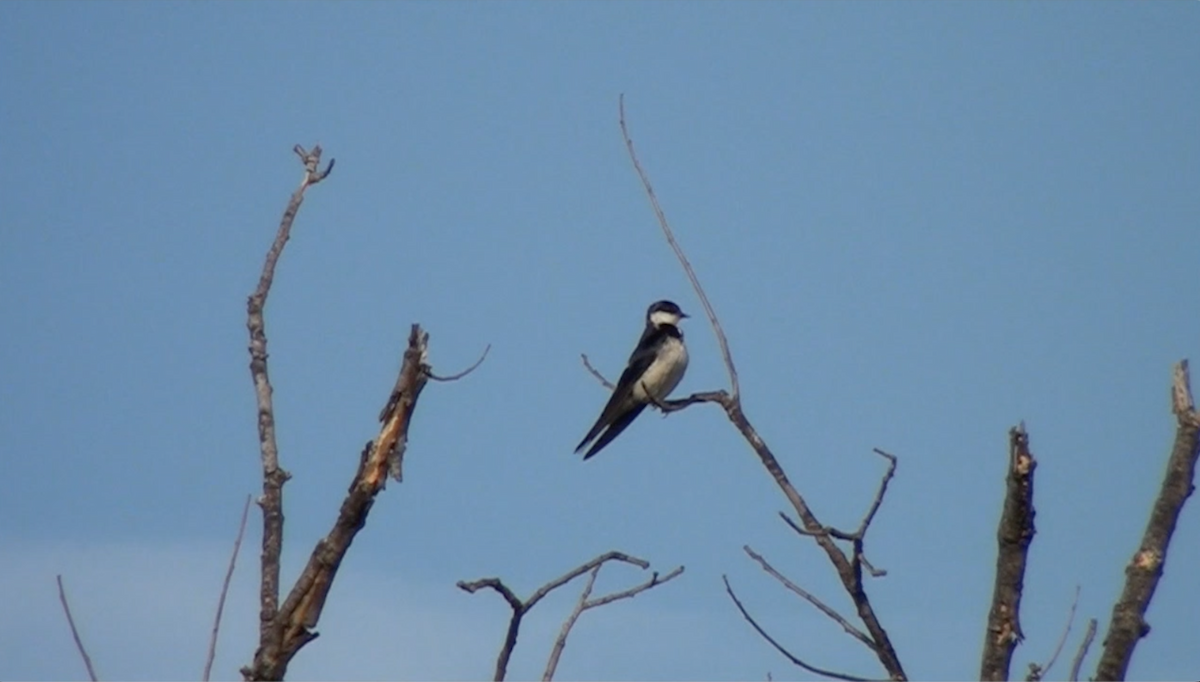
[665, 373]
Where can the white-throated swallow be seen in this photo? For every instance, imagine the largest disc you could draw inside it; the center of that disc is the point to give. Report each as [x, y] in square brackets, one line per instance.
[655, 368]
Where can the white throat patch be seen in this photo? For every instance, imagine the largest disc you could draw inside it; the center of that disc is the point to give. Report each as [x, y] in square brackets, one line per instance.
[661, 317]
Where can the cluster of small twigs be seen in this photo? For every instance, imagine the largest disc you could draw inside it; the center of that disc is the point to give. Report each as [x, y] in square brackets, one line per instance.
[521, 607]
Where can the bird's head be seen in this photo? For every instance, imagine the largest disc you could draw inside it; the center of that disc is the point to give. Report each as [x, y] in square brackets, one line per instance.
[664, 312]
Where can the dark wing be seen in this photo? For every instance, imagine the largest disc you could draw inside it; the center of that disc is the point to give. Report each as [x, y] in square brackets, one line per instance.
[641, 358]
[614, 429]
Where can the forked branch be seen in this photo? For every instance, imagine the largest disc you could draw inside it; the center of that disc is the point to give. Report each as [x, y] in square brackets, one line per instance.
[285, 630]
[848, 568]
[1128, 623]
[521, 607]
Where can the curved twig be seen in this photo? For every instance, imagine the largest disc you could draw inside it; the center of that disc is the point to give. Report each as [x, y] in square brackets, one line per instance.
[779, 647]
[216, 629]
[596, 373]
[87, 660]
[1080, 655]
[687, 266]
[810, 598]
[465, 372]
[1038, 672]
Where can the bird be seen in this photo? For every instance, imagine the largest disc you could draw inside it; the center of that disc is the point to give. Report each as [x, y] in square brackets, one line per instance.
[654, 370]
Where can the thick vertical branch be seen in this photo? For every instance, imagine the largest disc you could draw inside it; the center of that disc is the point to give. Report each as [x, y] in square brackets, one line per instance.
[274, 476]
[1014, 536]
[1128, 624]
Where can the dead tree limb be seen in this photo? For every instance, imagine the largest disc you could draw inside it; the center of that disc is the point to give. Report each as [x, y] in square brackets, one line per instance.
[1014, 536]
[87, 660]
[520, 608]
[1128, 624]
[216, 629]
[285, 630]
[848, 569]
[274, 476]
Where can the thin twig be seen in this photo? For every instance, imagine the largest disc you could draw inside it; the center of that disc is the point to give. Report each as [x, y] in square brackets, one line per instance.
[561, 641]
[465, 372]
[1128, 623]
[1088, 636]
[274, 476]
[687, 267]
[596, 373]
[520, 608]
[87, 660]
[1016, 532]
[779, 647]
[1037, 672]
[216, 629]
[810, 598]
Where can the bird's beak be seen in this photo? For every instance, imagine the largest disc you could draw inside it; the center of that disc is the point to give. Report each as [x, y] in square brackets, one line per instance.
[683, 314]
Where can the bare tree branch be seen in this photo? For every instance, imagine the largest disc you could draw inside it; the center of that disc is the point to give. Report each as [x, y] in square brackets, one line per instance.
[584, 604]
[1128, 624]
[687, 267]
[465, 372]
[1014, 536]
[274, 476]
[849, 570]
[216, 629]
[596, 373]
[302, 609]
[520, 608]
[87, 660]
[810, 598]
[1038, 672]
[779, 647]
[1083, 649]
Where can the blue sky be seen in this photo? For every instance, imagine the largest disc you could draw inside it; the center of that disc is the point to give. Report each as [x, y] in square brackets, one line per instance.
[920, 223]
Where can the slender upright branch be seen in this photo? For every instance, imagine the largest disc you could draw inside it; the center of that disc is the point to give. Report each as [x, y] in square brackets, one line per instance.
[687, 267]
[274, 476]
[1080, 655]
[1128, 624]
[1014, 536]
[520, 608]
[1038, 672]
[779, 647]
[87, 660]
[216, 629]
[849, 571]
